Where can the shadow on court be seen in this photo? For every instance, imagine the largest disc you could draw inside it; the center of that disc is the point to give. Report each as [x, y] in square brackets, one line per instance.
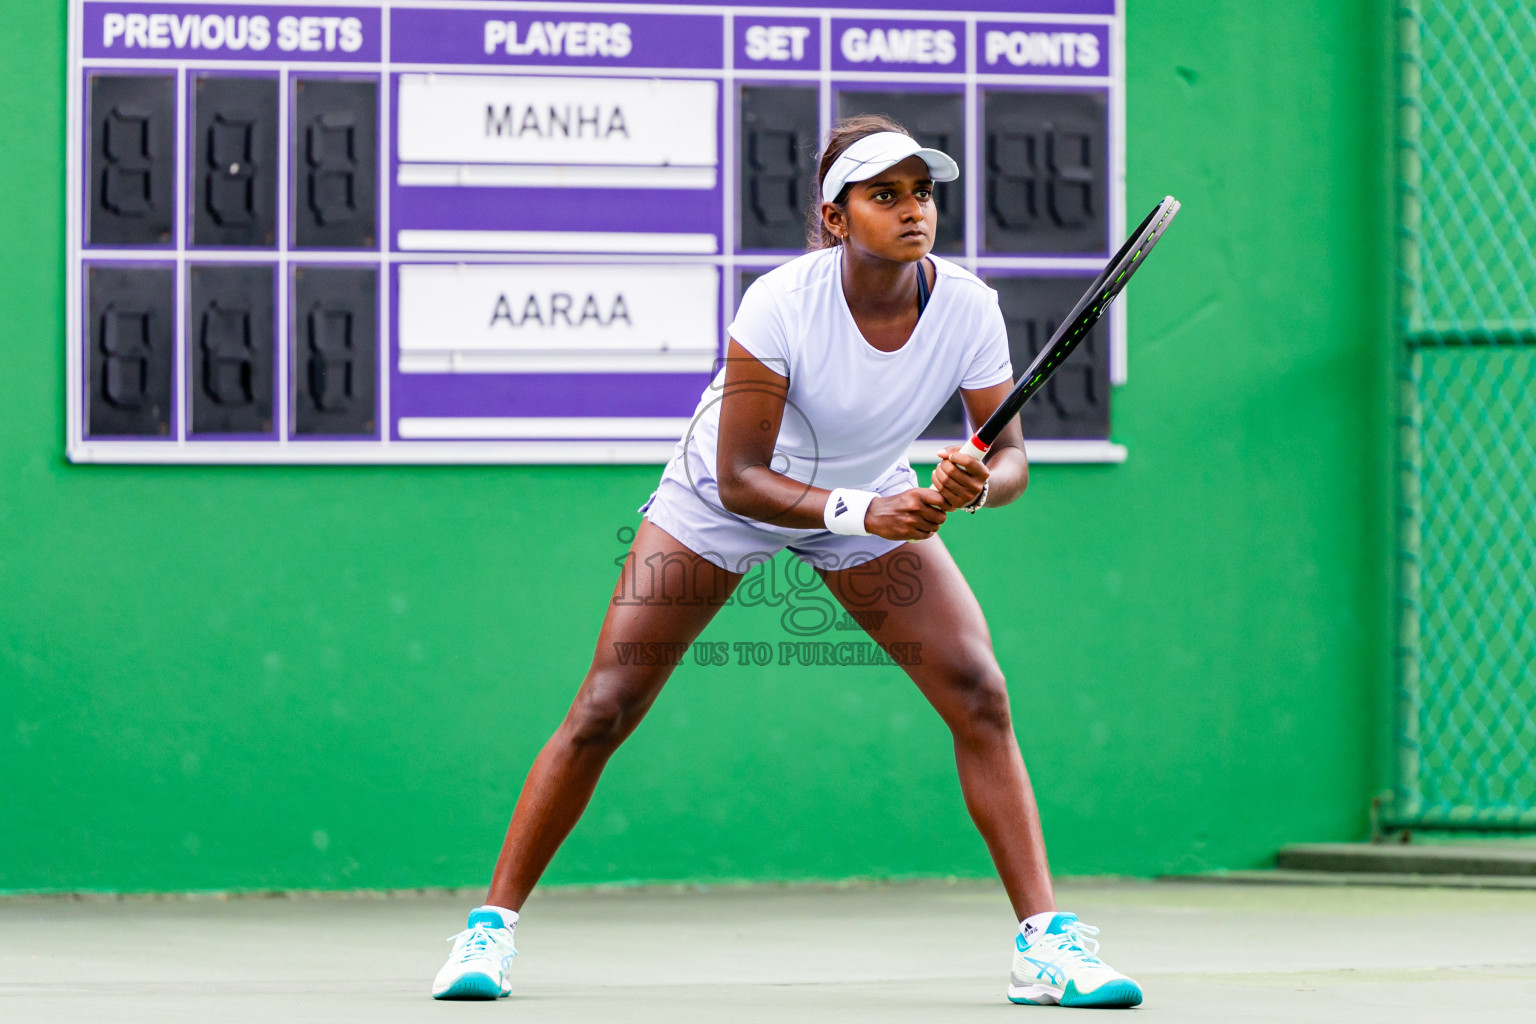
[887, 953]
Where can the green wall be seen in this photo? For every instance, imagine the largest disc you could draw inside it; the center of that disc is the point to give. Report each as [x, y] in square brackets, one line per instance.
[292, 677]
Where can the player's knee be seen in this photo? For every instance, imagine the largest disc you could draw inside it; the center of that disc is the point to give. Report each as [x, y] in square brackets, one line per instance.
[983, 704]
[604, 714]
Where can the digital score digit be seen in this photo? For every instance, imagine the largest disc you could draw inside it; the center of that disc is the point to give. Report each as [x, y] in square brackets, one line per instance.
[506, 232]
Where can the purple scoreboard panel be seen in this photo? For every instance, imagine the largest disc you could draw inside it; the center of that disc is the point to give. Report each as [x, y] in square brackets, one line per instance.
[415, 231]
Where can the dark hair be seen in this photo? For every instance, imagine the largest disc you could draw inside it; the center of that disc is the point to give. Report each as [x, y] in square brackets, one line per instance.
[847, 131]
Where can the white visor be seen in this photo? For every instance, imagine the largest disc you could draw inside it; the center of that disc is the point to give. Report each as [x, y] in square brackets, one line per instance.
[874, 153]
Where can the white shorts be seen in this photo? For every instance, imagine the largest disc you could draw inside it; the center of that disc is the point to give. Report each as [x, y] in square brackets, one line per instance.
[690, 511]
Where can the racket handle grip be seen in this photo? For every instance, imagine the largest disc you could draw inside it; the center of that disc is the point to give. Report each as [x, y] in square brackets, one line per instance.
[974, 448]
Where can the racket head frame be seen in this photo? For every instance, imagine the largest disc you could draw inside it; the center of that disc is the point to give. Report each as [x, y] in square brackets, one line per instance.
[1076, 325]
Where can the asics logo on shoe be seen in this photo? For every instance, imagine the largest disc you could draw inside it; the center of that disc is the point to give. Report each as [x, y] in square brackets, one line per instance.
[1049, 971]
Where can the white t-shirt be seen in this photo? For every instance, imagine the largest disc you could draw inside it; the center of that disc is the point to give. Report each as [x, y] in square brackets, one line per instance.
[852, 410]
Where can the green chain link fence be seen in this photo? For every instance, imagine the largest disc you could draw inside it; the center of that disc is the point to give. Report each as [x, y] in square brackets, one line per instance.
[1467, 304]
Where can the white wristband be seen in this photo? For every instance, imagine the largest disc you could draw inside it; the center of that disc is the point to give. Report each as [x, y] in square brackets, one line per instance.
[845, 511]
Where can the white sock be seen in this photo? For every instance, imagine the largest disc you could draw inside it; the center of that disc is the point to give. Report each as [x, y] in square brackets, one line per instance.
[508, 917]
[1033, 926]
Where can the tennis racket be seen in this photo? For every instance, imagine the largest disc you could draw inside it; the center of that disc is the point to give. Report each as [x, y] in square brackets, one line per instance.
[1076, 324]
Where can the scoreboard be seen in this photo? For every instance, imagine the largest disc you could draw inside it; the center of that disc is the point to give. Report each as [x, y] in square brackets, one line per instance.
[416, 231]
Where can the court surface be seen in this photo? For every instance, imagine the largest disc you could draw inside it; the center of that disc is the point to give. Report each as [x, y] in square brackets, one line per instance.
[888, 953]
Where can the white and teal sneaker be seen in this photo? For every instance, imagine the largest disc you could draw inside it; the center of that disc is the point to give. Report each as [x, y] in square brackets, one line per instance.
[1057, 966]
[480, 965]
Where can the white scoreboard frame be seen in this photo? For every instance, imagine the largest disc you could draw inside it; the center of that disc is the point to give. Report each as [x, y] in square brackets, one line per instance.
[561, 448]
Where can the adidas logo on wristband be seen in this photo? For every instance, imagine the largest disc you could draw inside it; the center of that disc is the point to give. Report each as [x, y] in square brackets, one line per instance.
[845, 511]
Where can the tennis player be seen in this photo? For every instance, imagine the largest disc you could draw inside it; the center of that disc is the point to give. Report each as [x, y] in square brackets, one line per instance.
[837, 361]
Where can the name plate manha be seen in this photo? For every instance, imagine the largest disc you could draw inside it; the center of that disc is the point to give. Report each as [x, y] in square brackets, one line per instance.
[421, 230]
[535, 120]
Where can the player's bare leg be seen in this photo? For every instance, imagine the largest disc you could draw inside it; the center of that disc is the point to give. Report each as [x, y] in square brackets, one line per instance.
[955, 668]
[665, 596]
[959, 675]
[646, 608]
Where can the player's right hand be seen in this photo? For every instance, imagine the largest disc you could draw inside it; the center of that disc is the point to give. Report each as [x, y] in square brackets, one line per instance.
[910, 515]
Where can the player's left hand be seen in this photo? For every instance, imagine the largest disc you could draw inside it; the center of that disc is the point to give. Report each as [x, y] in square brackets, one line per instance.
[959, 477]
